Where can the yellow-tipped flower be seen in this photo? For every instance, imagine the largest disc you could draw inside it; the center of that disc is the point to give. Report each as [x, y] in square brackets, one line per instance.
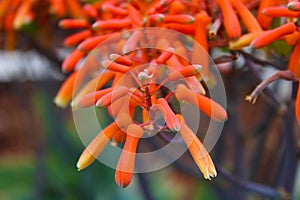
[94, 149]
[198, 151]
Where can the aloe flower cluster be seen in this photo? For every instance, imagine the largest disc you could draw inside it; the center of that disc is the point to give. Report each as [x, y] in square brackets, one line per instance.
[131, 79]
[211, 24]
[139, 86]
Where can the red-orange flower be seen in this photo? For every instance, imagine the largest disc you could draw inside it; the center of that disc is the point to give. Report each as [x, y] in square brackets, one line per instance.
[198, 151]
[125, 167]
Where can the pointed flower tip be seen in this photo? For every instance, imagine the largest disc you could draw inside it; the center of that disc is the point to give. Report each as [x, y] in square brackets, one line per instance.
[79, 169]
[176, 128]
[290, 6]
[210, 172]
[198, 67]
[95, 27]
[73, 104]
[60, 102]
[79, 166]
[122, 185]
[125, 51]
[98, 103]
[192, 20]
[113, 56]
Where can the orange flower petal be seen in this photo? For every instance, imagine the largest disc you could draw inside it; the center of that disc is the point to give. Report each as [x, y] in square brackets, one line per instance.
[95, 84]
[92, 98]
[110, 65]
[96, 146]
[75, 38]
[71, 60]
[125, 167]
[180, 19]
[297, 108]
[270, 36]
[249, 20]
[205, 104]
[73, 23]
[168, 114]
[231, 21]
[294, 61]
[114, 95]
[198, 151]
[187, 71]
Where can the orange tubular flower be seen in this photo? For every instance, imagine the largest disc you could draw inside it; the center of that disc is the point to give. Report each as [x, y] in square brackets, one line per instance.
[291, 39]
[131, 43]
[114, 9]
[125, 167]
[294, 61]
[231, 21]
[205, 104]
[185, 72]
[90, 11]
[244, 40]
[175, 64]
[96, 83]
[181, 19]
[94, 149]
[166, 55]
[74, 39]
[198, 151]
[110, 65]
[298, 105]
[74, 7]
[177, 7]
[58, 8]
[264, 20]
[65, 93]
[71, 61]
[92, 98]
[169, 116]
[123, 119]
[270, 36]
[183, 28]
[112, 24]
[107, 99]
[202, 21]
[135, 16]
[160, 6]
[119, 137]
[249, 20]
[90, 43]
[120, 59]
[157, 18]
[73, 23]
[279, 12]
[4, 7]
[21, 13]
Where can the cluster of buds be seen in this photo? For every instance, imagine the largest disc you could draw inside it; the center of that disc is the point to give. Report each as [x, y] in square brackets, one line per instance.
[16, 14]
[211, 24]
[117, 79]
[137, 95]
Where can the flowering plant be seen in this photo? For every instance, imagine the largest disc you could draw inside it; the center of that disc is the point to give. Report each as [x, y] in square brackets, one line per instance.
[125, 59]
